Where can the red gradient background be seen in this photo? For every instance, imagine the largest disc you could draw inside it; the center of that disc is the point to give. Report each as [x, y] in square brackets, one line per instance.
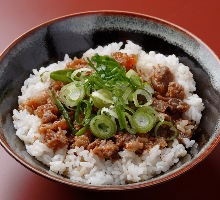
[199, 17]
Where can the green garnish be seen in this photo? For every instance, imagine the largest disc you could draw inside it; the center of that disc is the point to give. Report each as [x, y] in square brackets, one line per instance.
[119, 108]
[84, 108]
[62, 75]
[82, 130]
[102, 126]
[102, 95]
[80, 74]
[143, 93]
[130, 126]
[71, 94]
[143, 121]
[63, 112]
[171, 127]
[102, 98]
[148, 88]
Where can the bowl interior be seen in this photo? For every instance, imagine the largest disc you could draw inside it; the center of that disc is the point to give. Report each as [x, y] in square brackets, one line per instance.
[75, 34]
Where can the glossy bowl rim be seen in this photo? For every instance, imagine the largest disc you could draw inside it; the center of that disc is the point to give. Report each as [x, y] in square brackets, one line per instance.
[143, 184]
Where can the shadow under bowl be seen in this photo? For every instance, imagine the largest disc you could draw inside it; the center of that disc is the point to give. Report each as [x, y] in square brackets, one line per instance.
[73, 35]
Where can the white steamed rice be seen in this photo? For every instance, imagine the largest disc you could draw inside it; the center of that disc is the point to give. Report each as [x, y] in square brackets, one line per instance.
[82, 165]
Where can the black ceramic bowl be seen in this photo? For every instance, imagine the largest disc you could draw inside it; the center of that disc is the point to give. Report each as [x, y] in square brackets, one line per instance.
[76, 33]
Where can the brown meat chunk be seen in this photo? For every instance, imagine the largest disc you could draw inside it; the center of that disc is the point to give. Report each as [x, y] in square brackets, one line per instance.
[159, 105]
[89, 135]
[104, 149]
[149, 142]
[160, 78]
[55, 140]
[83, 140]
[161, 142]
[80, 141]
[125, 60]
[177, 105]
[159, 97]
[134, 145]
[185, 129]
[53, 126]
[129, 142]
[167, 117]
[122, 138]
[47, 112]
[38, 100]
[175, 90]
[56, 85]
[77, 63]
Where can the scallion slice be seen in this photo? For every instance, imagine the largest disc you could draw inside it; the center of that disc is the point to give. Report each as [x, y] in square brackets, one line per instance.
[170, 125]
[143, 121]
[148, 87]
[102, 98]
[71, 94]
[102, 126]
[127, 94]
[62, 75]
[135, 80]
[148, 109]
[79, 74]
[130, 110]
[119, 109]
[109, 111]
[130, 73]
[84, 108]
[145, 94]
[130, 127]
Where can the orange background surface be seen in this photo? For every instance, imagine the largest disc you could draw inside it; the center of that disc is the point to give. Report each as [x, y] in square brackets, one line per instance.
[199, 17]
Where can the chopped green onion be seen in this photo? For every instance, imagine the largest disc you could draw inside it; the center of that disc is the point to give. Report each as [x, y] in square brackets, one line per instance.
[82, 72]
[62, 75]
[108, 72]
[136, 81]
[83, 110]
[148, 109]
[71, 94]
[119, 108]
[82, 130]
[63, 112]
[172, 128]
[129, 109]
[144, 93]
[102, 126]
[148, 87]
[143, 121]
[131, 129]
[109, 111]
[130, 73]
[102, 98]
[127, 94]
[99, 111]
